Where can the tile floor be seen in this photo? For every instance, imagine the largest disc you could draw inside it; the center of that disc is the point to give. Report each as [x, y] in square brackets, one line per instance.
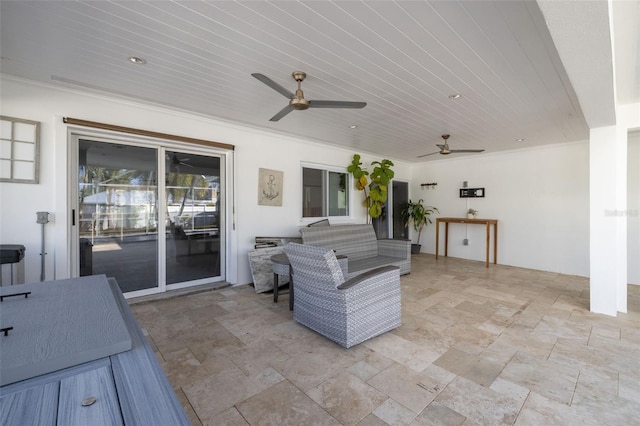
[477, 346]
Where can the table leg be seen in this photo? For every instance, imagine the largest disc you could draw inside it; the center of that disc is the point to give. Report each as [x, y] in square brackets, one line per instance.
[446, 239]
[275, 288]
[290, 290]
[487, 243]
[495, 243]
[437, 237]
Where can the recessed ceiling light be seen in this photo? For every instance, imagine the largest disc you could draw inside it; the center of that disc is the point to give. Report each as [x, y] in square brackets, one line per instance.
[455, 96]
[137, 60]
[519, 140]
[353, 126]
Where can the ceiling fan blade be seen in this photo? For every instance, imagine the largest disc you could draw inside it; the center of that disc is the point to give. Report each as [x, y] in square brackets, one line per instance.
[275, 86]
[336, 104]
[426, 155]
[466, 150]
[284, 111]
[442, 147]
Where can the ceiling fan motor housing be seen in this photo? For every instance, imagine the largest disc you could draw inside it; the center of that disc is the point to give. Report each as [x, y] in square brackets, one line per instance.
[299, 102]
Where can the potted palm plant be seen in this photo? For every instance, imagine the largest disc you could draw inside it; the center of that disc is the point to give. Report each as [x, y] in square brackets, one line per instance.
[418, 214]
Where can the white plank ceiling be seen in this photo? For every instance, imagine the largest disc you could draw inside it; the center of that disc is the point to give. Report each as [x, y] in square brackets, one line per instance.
[404, 58]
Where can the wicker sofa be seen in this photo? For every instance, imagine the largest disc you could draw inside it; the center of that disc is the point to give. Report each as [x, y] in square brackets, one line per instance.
[359, 243]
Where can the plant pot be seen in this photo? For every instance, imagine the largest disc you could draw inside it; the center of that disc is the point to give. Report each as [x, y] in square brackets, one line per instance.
[415, 248]
[471, 216]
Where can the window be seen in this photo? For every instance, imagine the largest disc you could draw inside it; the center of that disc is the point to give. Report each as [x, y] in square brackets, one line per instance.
[324, 193]
[19, 150]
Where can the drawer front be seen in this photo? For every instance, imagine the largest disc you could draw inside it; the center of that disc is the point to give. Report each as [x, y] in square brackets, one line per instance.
[77, 392]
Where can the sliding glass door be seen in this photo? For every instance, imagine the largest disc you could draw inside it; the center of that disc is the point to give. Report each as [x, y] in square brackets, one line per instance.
[192, 198]
[123, 209]
[117, 213]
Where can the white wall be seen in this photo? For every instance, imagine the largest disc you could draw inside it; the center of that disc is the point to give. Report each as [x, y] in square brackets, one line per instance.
[254, 149]
[540, 197]
[633, 209]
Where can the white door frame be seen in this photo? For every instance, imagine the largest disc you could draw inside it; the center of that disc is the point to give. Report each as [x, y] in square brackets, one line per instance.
[161, 145]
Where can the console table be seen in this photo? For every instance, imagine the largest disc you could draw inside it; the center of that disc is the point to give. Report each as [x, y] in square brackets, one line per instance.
[486, 222]
[75, 355]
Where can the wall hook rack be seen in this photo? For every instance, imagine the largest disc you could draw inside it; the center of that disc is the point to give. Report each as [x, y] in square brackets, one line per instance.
[428, 185]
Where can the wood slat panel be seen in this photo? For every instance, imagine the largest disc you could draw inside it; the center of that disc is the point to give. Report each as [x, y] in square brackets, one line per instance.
[33, 406]
[96, 384]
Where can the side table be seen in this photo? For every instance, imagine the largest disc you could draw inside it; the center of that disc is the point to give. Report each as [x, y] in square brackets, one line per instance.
[282, 266]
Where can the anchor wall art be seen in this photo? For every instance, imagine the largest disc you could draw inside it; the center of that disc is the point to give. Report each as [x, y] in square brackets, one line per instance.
[270, 187]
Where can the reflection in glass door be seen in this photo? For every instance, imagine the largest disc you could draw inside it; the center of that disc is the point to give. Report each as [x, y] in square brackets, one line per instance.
[192, 216]
[117, 211]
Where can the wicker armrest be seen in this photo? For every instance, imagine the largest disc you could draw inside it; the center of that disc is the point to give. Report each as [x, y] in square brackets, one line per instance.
[366, 276]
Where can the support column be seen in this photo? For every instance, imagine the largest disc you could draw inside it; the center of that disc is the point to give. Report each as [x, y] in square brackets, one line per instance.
[608, 231]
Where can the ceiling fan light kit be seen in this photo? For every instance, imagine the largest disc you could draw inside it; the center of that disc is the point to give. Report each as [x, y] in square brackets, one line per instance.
[297, 100]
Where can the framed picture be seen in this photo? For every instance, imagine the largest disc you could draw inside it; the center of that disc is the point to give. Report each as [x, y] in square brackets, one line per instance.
[270, 187]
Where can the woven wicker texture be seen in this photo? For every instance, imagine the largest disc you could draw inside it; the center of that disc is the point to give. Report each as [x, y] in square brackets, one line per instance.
[359, 243]
[367, 307]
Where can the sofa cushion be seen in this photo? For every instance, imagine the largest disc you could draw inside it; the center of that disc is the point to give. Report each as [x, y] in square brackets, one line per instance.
[359, 266]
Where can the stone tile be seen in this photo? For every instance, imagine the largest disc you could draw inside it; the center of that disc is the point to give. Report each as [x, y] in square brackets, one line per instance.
[619, 358]
[363, 370]
[256, 357]
[393, 413]
[309, 370]
[510, 389]
[545, 377]
[373, 420]
[469, 336]
[438, 415]
[483, 372]
[605, 407]
[268, 377]
[456, 361]
[283, 404]
[538, 410]
[215, 364]
[508, 343]
[479, 403]
[205, 315]
[565, 328]
[230, 417]
[402, 351]
[596, 381]
[629, 386]
[411, 389]
[182, 368]
[188, 409]
[347, 398]
[217, 393]
[604, 331]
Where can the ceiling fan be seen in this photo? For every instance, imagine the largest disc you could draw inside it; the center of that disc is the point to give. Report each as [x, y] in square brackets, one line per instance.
[297, 100]
[177, 162]
[444, 149]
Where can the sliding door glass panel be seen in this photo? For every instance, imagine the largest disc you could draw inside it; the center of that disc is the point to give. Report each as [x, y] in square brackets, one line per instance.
[117, 191]
[338, 194]
[192, 216]
[400, 191]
